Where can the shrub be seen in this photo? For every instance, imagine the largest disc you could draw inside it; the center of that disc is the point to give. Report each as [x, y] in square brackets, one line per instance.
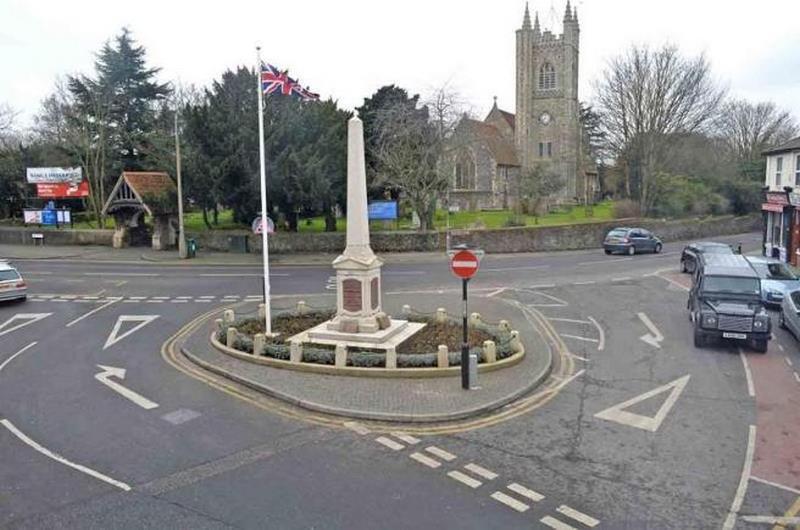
[626, 208]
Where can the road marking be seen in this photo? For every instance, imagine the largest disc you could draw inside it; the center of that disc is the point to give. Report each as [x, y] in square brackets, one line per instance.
[585, 339]
[425, 460]
[80, 301]
[796, 377]
[204, 301]
[509, 501]
[535, 496]
[183, 297]
[481, 471]
[749, 376]
[567, 381]
[569, 320]
[92, 312]
[609, 260]
[542, 286]
[120, 274]
[791, 513]
[591, 282]
[130, 301]
[90, 297]
[154, 301]
[578, 516]
[161, 298]
[238, 274]
[464, 479]
[179, 301]
[730, 521]
[391, 444]
[780, 347]
[584, 359]
[621, 279]
[68, 296]
[557, 302]
[207, 297]
[552, 522]
[357, 427]
[114, 337]
[407, 438]
[788, 361]
[177, 417]
[441, 453]
[20, 352]
[671, 281]
[512, 269]
[495, 293]
[601, 344]
[653, 338]
[29, 318]
[618, 414]
[110, 371]
[137, 297]
[775, 485]
[782, 522]
[58, 458]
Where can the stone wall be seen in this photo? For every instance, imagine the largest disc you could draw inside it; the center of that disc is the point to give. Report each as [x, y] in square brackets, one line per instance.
[64, 236]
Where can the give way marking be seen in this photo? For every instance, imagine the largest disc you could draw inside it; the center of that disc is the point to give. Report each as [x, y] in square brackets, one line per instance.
[618, 414]
[653, 338]
[28, 318]
[115, 336]
[110, 371]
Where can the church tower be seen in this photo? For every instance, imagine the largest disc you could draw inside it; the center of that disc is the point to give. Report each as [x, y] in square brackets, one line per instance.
[547, 114]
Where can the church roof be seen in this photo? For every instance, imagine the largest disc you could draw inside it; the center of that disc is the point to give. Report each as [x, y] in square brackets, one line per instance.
[510, 117]
[501, 147]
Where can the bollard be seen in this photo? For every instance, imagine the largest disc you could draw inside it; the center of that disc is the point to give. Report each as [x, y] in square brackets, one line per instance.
[341, 355]
[441, 315]
[228, 316]
[475, 319]
[516, 343]
[230, 337]
[504, 326]
[262, 312]
[295, 351]
[258, 344]
[218, 323]
[302, 307]
[406, 309]
[473, 371]
[391, 358]
[442, 358]
[489, 351]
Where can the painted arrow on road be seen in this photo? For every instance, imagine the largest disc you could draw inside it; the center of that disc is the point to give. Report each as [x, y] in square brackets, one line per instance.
[105, 378]
[653, 338]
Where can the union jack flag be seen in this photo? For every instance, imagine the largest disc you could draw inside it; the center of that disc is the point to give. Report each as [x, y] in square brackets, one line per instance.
[274, 81]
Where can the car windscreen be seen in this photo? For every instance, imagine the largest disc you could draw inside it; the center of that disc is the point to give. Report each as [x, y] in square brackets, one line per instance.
[8, 274]
[730, 284]
[618, 233]
[716, 249]
[774, 271]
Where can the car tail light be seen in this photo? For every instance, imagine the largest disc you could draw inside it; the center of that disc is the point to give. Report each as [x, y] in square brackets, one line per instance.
[626, 240]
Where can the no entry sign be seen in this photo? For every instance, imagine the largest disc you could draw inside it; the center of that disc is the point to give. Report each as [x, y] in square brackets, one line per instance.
[464, 264]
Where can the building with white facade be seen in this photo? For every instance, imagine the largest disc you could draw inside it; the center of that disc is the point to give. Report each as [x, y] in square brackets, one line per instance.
[781, 208]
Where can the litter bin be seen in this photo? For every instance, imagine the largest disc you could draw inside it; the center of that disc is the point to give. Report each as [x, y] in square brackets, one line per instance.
[191, 248]
[237, 243]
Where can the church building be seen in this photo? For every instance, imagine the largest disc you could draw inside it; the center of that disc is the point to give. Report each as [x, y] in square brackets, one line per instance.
[493, 153]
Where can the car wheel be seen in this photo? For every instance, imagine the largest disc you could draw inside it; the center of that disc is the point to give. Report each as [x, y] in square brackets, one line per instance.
[760, 345]
[658, 248]
[683, 266]
[781, 321]
[699, 338]
[608, 252]
[631, 250]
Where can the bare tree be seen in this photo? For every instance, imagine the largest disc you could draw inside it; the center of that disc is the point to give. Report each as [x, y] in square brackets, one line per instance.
[7, 117]
[647, 100]
[748, 128]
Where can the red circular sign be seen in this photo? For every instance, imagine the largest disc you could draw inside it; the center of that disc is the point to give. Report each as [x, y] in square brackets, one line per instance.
[464, 264]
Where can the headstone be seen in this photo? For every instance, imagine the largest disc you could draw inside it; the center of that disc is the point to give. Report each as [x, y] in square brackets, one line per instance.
[228, 316]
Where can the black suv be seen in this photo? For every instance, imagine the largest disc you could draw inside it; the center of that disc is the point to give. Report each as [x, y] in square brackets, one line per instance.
[725, 303]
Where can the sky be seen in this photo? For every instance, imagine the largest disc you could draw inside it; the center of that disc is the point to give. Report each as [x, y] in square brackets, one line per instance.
[348, 48]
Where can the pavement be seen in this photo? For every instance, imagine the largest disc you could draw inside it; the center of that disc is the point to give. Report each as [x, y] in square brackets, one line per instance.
[409, 400]
[643, 431]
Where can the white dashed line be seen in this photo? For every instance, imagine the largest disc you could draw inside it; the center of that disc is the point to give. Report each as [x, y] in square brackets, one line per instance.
[780, 347]
[155, 301]
[542, 286]
[525, 492]
[584, 283]
[183, 297]
[464, 479]
[511, 502]
[204, 301]
[736, 505]
[391, 444]
[130, 301]
[405, 438]
[137, 297]
[161, 298]
[797, 377]
[569, 320]
[578, 516]
[576, 337]
[788, 361]
[441, 453]
[357, 427]
[750, 389]
[425, 460]
[481, 471]
[179, 301]
[552, 522]
[69, 296]
[621, 279]
[495, 293]
[207, 297]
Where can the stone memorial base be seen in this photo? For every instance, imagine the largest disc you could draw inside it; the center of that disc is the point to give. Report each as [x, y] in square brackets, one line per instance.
[382, 339]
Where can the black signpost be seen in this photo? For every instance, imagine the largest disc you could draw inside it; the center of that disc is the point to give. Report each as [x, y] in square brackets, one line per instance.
[464, 264]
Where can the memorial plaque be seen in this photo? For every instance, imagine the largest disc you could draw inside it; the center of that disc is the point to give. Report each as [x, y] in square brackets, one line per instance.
[351, 295]
[373, 294]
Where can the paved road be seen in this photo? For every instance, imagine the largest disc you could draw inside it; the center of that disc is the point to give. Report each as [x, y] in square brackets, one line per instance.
[645, 433]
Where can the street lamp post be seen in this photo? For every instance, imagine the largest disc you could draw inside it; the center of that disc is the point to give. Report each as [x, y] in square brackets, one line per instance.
[181, 235]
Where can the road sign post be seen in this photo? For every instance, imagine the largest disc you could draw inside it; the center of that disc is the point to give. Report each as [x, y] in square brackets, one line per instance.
[464, 264]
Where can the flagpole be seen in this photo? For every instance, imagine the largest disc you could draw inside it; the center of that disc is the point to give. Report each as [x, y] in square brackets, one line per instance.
[264, 243]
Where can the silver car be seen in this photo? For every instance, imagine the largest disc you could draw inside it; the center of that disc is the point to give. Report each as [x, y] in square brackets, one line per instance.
[12, 286]
[790, 313]
[777, 279]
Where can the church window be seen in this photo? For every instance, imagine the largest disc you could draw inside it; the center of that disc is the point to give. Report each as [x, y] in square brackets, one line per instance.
[547, 77]
[541, 149]
[549, 148]
[465, 173]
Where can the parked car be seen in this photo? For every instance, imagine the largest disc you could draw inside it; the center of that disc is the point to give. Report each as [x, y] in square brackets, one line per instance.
[12, 286]
[630, 241]
[790, 313]
[777, 279]
[693, 254]
[725, 303]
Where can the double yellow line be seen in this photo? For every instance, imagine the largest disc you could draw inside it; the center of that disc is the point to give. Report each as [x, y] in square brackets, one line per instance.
[565, 369]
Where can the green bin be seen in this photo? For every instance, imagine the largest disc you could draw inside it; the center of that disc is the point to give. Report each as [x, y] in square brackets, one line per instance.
[191, 248]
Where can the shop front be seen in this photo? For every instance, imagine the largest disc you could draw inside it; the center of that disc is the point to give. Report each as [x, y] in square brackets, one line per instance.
[778, 222]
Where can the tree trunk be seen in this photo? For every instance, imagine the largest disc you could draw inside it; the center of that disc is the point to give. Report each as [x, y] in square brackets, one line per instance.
[216, 215]
[205, 218]
[330, 219]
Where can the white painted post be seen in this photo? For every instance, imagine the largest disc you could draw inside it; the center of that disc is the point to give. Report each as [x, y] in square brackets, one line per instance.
[219, 324]
[341, 355]
[441, 315]
[489, 351]
[258, 344]
[302, 307]
[516, 343]
[295, 351]
[474, 319]
[230, 337]
[391, 358]
[406, 309]
[504, 326]
[228, 316]
[442, 359]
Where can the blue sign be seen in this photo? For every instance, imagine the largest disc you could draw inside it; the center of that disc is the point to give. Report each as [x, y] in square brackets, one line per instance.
[383, 210]
[49, 217]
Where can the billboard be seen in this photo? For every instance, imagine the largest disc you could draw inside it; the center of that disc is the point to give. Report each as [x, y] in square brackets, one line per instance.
[382, 210]
[62, 190]
[50, 175]
[47, 216]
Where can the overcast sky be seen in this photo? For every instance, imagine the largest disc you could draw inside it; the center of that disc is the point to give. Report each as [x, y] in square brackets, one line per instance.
[346, 49]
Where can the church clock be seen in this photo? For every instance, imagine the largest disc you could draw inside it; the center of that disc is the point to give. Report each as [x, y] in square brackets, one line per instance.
[545, 118]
